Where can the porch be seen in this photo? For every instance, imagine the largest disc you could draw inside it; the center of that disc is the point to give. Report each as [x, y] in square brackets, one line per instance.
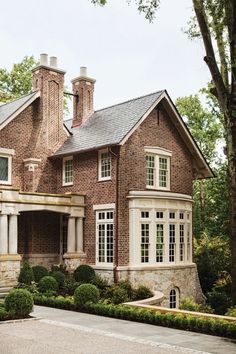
[42, 228]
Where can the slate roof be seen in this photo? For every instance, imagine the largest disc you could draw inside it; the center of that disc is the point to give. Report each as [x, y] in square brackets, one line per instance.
[8, 109]
[108, 126]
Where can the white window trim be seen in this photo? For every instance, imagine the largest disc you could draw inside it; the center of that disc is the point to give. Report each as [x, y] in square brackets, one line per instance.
[7, 153]
[64, 171]
[106, 221]
[100, 178]
[158, 152]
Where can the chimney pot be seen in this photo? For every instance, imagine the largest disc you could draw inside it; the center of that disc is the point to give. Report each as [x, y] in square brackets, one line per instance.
[44, 59]
[83, 71]
[53, 62]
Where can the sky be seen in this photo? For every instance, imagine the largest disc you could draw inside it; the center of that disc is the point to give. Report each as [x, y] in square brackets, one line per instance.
[128, 56]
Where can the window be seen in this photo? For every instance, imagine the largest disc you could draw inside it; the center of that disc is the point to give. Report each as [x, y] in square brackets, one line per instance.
[105, 236]
[181, 242]
[144, 243]
[171, 243]
[104, 165]
[159, 215]
[67, 177]
[159, 243]
[144, 214]
[158, 168]
[6, 165]
[174, 298]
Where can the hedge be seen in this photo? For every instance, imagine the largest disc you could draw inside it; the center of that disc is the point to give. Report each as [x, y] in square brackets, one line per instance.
[180, 321]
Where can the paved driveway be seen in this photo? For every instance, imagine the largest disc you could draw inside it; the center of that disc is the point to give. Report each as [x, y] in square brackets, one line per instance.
[65, 332]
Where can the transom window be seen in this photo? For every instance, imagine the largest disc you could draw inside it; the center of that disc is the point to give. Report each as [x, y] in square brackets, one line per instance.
[105, 236]
[104, 165]
[67, 175]
[158, 168]
[6, 165]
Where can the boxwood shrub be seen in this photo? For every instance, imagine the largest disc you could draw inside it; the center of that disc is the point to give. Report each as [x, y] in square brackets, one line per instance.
[84, 273]
[39, 272]
[48, 283]
[26, 275]
[19, 302]
[60, 278]
[85, 293]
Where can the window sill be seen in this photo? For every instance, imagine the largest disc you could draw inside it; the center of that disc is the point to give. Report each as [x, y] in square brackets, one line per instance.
[6, 183]
[104, 180]
[67, 184]
[158, 188]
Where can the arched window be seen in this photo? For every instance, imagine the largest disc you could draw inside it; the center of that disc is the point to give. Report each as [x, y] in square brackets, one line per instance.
[174, 298]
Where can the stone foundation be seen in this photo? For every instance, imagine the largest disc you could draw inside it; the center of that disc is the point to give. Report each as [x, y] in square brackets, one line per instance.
[73, 260]
[46, 260]
[9, 270]
[163, 279]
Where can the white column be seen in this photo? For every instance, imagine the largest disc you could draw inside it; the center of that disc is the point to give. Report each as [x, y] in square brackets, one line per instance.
[3, 234]
[71, 235]
[13, 234]
[79, 234]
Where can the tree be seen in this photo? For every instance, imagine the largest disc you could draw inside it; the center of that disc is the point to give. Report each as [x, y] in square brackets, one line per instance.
[18, 81]
[216, 22]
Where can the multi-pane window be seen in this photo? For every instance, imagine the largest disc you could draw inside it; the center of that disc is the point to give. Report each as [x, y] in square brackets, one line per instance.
[181, 242]
[157, 171]
[4, 169]
[6, 165]
[105, 237]
[104, 165]
[144, 214]
[173, 299]
[188, 243]
[150, 170]
[171, 242]
[144, 243]
[172, 215]
[159, 243]
[159, 214]
[67, 171]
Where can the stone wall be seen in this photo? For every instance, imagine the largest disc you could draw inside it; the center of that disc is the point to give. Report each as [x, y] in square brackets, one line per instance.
[9, 272]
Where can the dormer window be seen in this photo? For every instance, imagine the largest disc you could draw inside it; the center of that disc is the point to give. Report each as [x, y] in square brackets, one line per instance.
[104, 165]
[67, 171]
[6, 165]
[157, 168]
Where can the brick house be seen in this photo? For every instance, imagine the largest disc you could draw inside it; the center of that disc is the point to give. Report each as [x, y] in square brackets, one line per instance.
[110, 188]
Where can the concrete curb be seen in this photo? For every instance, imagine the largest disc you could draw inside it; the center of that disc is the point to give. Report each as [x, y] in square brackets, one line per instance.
[21, 320]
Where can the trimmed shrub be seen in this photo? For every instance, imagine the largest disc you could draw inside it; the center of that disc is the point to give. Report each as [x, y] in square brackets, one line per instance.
[86, 293]
[48, 283]
[59, 268]
[3, 314]
[125, 284]
[84, 273]
[231, 312]
[39, 272]
[119, 295]
[70, 285]
[60, 278]
[142, 292]
[101, 284]
[32, 288]
[26, 274]
[19, 302]
[188, 303]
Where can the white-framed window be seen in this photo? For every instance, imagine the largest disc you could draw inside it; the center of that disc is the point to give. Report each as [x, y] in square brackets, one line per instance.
[157, 168]
[104, 165]
[164, 236]
[105, 236]
[6, 166]
[67, 171]
[174, 298]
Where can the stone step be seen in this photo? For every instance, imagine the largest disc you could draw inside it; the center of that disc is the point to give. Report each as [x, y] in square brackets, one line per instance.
[4, 292]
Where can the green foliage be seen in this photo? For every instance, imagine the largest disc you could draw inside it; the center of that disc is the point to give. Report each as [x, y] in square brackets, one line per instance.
[32, 288]
[86, 293]
[70, 285]
[18, 81]
[231, 312]
[212, 257]
[59, 268]
[48, 283]
[119, 295]
[142, 292]
[26, 274]
[19, 302]
[39, 272]
[125, 284]
[188, 304]
[101, 284]
[60, 278]
[84, 273]
[219, 301]
[3, 314]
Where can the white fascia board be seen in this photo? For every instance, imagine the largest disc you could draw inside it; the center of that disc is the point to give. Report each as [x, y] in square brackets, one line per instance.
[19, 110]
[123, 141]
[159, 195]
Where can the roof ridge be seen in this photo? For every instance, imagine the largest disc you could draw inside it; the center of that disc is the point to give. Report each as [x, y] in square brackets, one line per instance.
[17, 99]
[132, 99]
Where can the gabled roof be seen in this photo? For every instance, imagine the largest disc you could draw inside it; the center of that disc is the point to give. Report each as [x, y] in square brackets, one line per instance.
[9, 111]
[114, 125]
[107, 126]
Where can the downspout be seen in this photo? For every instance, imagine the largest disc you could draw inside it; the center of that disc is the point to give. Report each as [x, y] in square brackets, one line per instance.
[115, 265]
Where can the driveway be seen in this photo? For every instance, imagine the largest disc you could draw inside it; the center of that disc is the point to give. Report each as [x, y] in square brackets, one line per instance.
[62, 332]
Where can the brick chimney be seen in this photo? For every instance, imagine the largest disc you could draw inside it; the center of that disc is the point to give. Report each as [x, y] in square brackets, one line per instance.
[83, 88]
[50, 81]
